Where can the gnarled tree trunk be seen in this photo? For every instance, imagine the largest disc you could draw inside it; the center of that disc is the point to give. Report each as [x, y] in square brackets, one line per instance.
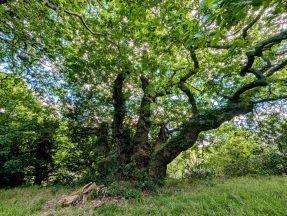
[153, 160]
[188, 135]
[141, 153]
[120, 133]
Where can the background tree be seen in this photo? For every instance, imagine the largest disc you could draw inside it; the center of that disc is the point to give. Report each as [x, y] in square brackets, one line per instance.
[273, 131]
[26, 134]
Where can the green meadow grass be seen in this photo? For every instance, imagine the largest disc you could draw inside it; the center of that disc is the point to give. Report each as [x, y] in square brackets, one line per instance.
[234, 196]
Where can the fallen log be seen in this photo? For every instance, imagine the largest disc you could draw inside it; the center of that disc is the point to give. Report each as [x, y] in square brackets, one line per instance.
[78, 197]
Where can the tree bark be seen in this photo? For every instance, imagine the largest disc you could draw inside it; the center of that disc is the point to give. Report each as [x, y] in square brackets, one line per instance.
[142, 149]
[188, 135]
[120, 133]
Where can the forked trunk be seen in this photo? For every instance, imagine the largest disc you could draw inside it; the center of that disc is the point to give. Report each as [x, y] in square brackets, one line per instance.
[138, 154]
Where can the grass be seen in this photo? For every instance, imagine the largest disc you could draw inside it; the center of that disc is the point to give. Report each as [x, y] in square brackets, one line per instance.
[234, 196]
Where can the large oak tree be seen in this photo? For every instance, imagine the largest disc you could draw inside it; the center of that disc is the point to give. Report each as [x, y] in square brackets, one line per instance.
[150, 74]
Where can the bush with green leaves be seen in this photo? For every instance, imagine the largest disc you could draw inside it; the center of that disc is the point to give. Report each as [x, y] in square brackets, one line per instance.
[234, 152]
[123, 189]
[27, 131]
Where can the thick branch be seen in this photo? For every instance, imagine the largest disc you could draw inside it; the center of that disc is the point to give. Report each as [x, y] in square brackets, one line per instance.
[189, 132]
[182, 85]
[183, 79]
[190, 96]
[194, 59]
[247, 87]
[261, 81]
[162, 136]
[195, 67]
[257, 74]
[259, 50]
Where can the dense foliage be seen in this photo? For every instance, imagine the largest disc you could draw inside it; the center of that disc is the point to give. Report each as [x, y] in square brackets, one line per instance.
[235, 151]
[26, 134]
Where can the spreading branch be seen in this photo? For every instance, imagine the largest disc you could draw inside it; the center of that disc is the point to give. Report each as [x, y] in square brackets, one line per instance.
[82, 20]
[189, 131]
[183, 79]
[259, 50]
[190, 96]
[260, 82]
[195, 67]
[247, 87]
[79, 16]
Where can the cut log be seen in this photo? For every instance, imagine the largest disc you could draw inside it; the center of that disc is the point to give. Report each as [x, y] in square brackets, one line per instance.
[71, 200]
[89, 187]
[78, 197]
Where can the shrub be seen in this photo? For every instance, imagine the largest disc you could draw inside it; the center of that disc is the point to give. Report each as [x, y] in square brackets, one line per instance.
[232, 159]
[124, 189]
[199, 173]
[275, 163]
